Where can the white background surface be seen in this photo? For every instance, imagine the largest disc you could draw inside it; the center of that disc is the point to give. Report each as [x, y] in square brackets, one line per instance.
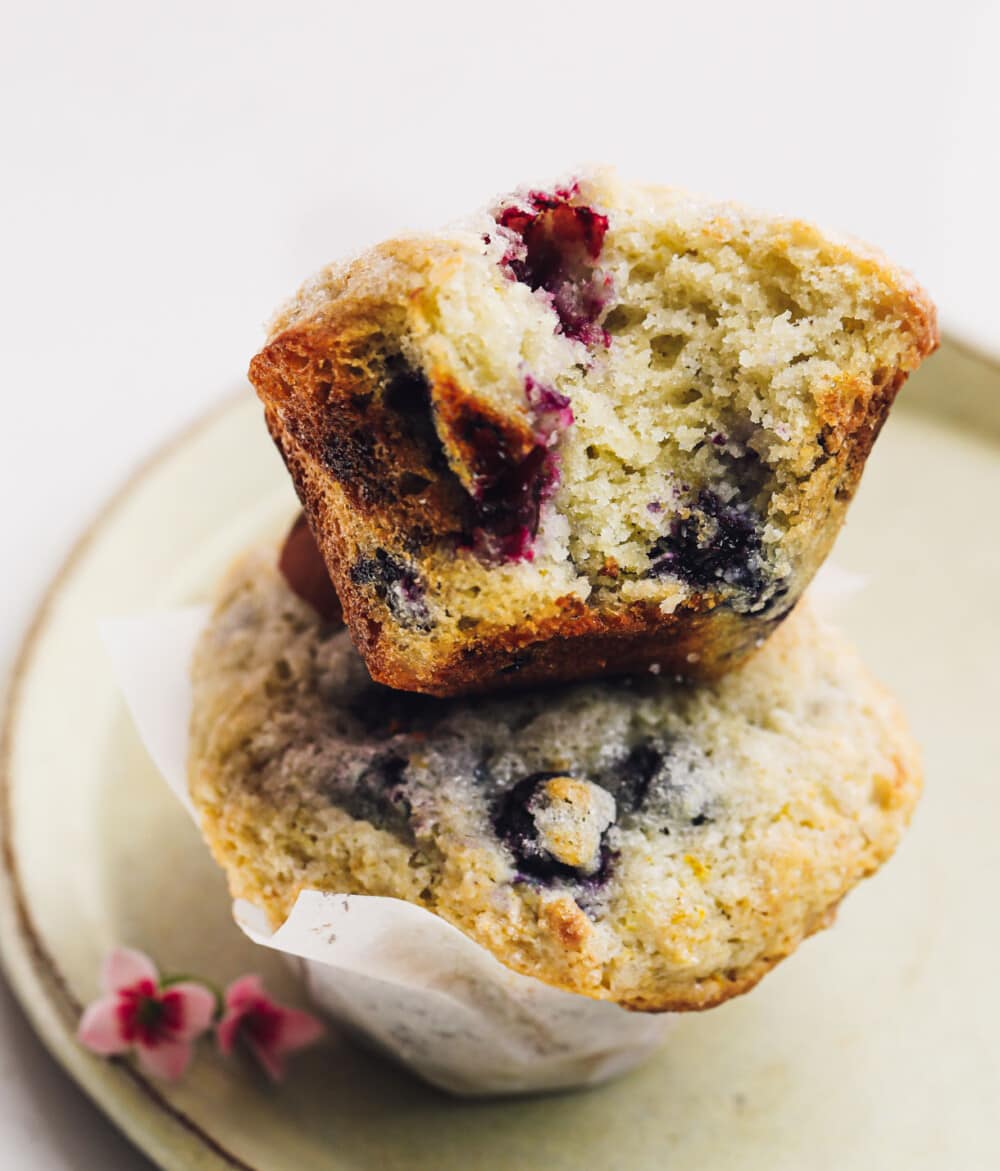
[169, 172]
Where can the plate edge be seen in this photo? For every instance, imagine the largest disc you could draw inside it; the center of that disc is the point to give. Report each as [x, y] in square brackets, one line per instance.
[33, 970]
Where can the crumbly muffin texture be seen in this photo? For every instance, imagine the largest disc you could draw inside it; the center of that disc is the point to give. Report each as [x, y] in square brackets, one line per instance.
[599, 426]
[643, 841]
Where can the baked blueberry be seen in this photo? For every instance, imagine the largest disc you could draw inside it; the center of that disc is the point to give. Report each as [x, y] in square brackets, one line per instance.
[397, 584]
[712, 544]
[555, 826]
[635, 775]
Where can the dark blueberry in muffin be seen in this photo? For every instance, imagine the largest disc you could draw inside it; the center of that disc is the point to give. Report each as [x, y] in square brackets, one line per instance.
[714, 544]
[635, 775]
[556, 828]
[490, 457]
[515, 827]
[397, 584]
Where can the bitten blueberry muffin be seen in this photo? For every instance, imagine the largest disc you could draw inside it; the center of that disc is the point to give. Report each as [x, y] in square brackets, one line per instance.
[599, 427]
[643, 841]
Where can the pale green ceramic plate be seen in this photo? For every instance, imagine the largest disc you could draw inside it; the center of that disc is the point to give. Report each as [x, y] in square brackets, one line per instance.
[878, 1045]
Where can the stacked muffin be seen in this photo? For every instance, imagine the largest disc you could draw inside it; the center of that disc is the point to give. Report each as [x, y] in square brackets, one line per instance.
[570, 469]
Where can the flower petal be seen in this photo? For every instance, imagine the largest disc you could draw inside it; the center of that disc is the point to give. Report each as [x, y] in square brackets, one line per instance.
[268, 1029]
[100, 1028]
[244, 991]
[197, 1007]
[269, 1059]
[227, 1030]
[124, 967]
[298, 1029]
[166, 1059]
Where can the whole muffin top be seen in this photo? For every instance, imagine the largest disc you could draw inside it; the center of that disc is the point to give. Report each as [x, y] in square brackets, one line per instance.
[645, 841]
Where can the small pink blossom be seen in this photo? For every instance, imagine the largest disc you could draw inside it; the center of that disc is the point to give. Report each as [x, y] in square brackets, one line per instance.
[269, 1030]
[159, 1021]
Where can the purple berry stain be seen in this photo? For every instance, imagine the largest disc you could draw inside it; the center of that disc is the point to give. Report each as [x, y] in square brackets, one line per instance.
[555, 246]
[551, 410]
[508, 494]
[507, 508]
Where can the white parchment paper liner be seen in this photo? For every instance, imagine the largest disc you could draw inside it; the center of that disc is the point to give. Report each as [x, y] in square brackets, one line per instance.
[397, 976]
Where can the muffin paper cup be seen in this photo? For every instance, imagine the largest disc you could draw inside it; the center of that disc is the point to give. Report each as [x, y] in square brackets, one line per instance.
[398, 977]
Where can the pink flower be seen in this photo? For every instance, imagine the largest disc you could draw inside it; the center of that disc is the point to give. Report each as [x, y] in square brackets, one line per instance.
[269, 1030]
[159, 1021]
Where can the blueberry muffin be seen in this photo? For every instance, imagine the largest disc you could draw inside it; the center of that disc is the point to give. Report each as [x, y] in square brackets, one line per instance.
[599, 427]
[644, 841]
